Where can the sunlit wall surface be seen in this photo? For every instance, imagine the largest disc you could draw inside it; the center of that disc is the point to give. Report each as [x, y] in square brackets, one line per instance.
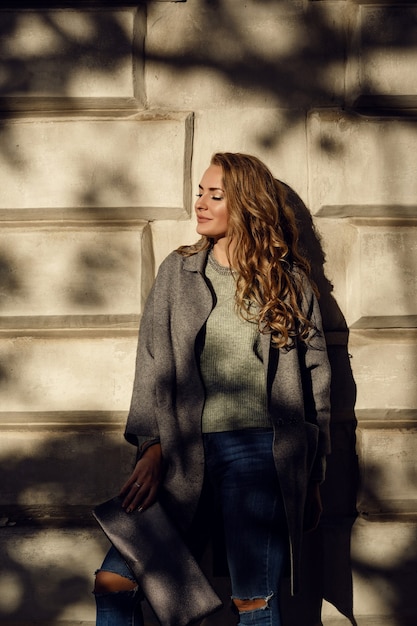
[109, 113]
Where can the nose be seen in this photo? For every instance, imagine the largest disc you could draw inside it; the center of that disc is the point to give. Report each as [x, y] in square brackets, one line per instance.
[200, 204]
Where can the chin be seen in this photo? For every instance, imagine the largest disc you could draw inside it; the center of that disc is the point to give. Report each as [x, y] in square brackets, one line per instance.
[204, 231]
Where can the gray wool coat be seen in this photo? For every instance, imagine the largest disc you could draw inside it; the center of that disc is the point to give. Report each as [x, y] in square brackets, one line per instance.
[168, 396]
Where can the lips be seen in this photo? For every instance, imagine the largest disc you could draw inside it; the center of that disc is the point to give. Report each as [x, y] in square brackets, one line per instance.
[203, 220]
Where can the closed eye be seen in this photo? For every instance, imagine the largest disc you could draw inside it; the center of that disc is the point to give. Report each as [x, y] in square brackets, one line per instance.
[218, 198]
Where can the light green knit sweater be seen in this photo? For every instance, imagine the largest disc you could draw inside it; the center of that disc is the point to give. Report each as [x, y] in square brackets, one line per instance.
[231, 362]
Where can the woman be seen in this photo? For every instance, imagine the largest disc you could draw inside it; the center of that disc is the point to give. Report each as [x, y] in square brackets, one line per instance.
[231, 392]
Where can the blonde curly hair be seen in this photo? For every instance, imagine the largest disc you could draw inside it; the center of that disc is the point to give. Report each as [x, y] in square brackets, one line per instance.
[269, 267]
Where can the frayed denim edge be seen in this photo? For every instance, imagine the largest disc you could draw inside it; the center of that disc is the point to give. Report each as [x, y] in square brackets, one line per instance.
[128, 593]
[260, 608]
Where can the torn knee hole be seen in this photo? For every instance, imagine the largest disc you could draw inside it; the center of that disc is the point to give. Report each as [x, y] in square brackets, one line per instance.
[251, 605]
[109, 582]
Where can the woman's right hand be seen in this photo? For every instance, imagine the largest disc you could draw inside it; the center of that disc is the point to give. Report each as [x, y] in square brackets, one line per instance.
[141, 488]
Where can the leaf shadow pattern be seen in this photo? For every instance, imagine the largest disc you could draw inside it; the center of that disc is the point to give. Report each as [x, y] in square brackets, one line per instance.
[50, 544]
[294, 78]
[12, 282]
[49, 541]
[282, 80]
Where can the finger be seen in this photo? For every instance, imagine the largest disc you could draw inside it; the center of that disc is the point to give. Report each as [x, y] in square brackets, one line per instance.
[126, 487]
[133, 496]
[150, 499]
[134, 478]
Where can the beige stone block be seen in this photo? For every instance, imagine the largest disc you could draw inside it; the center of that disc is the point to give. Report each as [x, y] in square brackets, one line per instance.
[70, 53]
[75, 270]
[372, 268]
[385, 47]
[47, 575]
[384, 574]
[140, 162]
[387, 281]
[383, 365]
[243, 54]
[339, 240]
[89, 370]
[369, 573]
[361, 166]
[387, 462]
[68, 461]
[360, 573]
[168, 235]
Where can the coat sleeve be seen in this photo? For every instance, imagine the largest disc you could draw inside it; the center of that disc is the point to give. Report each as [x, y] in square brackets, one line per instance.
[316, 375]
[141, 427]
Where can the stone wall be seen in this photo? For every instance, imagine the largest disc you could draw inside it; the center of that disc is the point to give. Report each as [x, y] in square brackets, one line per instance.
[109, 113]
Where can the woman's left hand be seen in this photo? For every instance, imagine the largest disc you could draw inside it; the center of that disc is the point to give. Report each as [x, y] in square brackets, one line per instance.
[141, 488]
[313, 507]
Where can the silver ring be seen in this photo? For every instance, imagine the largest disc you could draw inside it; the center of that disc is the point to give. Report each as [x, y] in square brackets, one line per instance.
[137, 485]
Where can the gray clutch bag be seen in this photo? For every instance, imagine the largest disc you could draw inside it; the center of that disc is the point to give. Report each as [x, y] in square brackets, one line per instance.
[173, 583]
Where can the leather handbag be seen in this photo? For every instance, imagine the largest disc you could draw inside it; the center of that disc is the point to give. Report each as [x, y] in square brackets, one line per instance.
[170, 578]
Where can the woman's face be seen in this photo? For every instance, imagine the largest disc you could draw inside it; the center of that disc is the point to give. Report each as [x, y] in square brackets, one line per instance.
[211, 205]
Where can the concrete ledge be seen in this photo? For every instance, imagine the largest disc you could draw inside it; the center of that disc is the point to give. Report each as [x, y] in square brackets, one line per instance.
[69, 325]
[70, 217]
[386, 417]
[93, 421]
[386, 106]
[374, 213]
[386, 321]
[19, 106]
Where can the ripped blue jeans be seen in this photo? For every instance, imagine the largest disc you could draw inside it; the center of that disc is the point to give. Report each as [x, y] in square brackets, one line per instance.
[241, 469]
[122, 608]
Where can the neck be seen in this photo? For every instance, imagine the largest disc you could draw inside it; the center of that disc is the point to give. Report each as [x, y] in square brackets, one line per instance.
[223, 251]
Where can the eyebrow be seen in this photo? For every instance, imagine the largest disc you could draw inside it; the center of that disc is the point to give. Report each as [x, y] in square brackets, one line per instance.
[212, 188]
